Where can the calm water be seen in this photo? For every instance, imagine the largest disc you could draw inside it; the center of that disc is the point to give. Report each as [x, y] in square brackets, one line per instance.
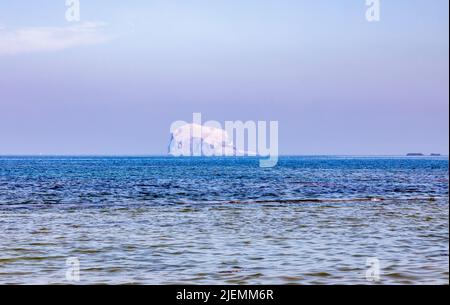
[157, 220]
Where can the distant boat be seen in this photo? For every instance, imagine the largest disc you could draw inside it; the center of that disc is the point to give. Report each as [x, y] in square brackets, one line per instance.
[415, 155]
[435, 155]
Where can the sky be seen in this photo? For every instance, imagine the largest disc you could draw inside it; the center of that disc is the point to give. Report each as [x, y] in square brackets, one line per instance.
[113, 83]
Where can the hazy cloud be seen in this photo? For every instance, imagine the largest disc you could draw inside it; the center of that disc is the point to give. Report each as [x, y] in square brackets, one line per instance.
[48, 39]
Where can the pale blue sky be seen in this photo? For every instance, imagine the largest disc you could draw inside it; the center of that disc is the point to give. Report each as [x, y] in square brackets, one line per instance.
[114, 82]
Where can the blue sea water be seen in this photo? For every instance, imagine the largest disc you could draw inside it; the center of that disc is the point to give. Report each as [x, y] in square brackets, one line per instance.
[166, 220]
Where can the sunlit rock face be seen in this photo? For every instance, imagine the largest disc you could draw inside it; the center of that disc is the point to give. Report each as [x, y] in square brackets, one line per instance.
[198, 140]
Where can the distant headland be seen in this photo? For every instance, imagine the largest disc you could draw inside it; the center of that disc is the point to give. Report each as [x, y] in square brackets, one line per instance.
[422, 155]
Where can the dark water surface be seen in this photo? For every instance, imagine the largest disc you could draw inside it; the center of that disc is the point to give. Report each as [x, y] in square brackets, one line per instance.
[162, 220]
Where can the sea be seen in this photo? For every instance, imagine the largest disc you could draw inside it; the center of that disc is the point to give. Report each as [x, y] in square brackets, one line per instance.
[167, 220]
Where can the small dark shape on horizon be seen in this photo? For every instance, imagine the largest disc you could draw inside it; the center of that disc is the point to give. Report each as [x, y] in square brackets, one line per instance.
[415, 154]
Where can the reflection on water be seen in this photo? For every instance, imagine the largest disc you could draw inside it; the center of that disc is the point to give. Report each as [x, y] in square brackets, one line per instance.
[178, 221]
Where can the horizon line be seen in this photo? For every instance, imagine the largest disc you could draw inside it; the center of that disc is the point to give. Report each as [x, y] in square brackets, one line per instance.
[245, 156]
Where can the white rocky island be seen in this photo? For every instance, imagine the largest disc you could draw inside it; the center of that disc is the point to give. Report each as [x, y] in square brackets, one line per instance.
[200, 140]
[209, 139]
